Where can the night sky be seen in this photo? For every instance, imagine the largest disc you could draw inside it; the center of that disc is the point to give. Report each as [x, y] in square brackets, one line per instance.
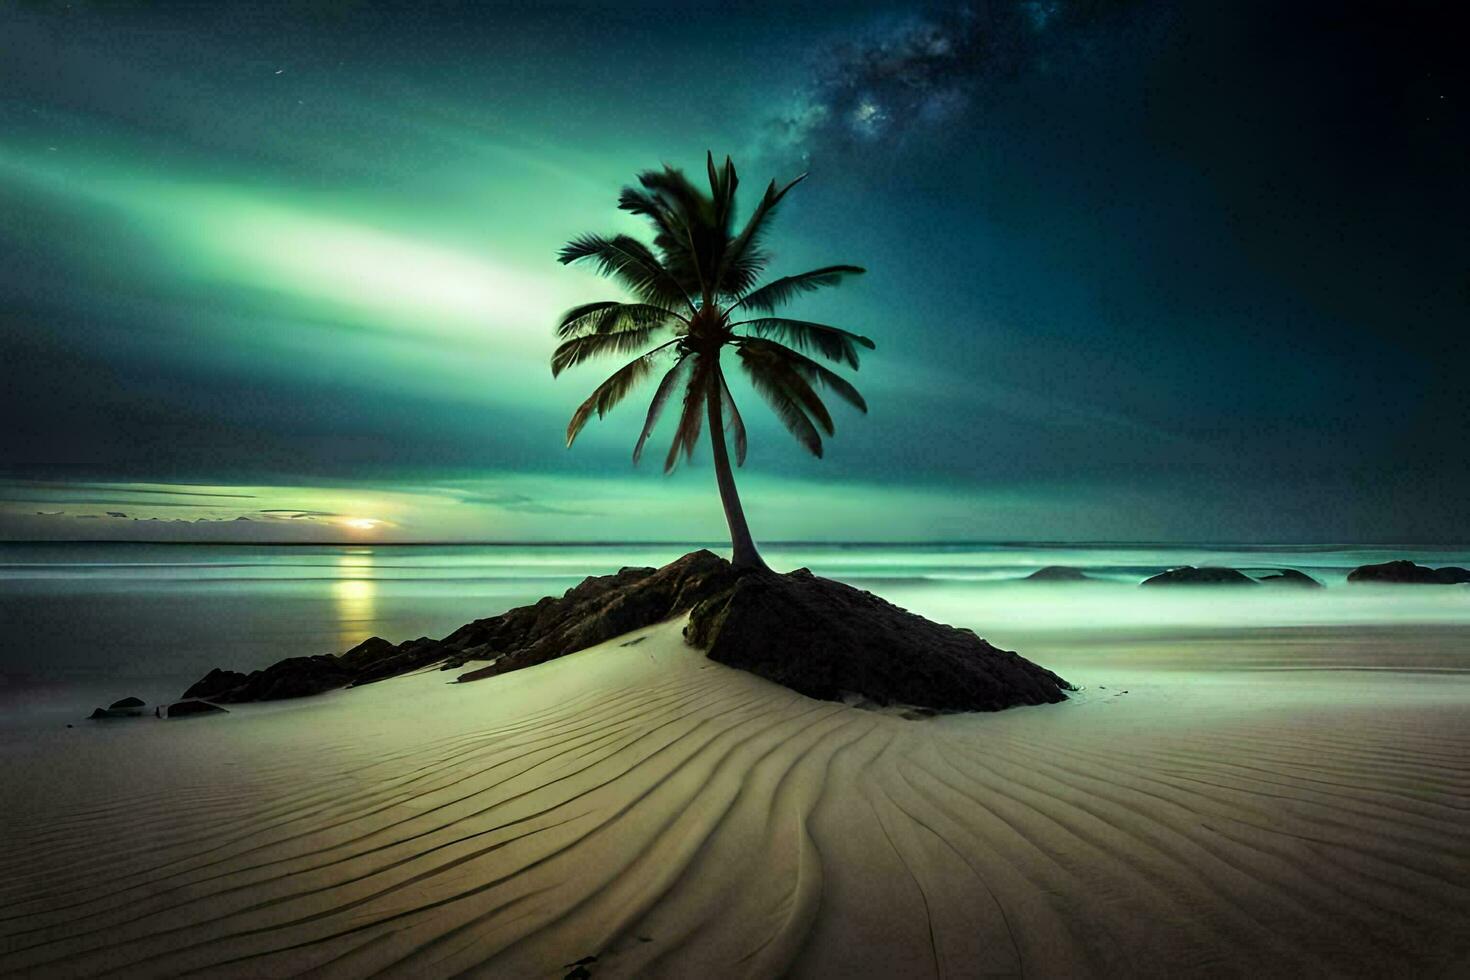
[1137, 271]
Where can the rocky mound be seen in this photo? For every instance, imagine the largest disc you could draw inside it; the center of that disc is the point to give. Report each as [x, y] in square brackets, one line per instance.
[1408, 573]
[1059, 573]
[1189, 575]
[1291, 578]
[816, 636]
[827, 640]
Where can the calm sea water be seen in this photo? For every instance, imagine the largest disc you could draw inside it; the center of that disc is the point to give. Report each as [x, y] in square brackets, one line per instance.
[82, 624]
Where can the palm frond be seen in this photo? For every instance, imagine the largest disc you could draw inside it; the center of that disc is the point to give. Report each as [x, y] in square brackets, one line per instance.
[630, 262]
[610, 392]
[736, 424]
[688, 235]
[779, 370]
[611, 316]
[783, 290]
[722, 185]
[660, 397]
[813, 372]
[691, 420]
[833, 343]
[579, 318]
[665, 222]
[787, 407]
[740, 272]
[743, 261]
[578, 349]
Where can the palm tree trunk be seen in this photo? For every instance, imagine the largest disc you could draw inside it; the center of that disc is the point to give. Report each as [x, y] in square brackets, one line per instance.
[745, 555]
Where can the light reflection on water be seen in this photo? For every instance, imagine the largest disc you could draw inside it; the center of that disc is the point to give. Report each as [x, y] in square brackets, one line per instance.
[354, 593]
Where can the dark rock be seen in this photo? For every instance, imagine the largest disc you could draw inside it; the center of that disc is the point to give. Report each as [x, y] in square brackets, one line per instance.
[188, 709]
[1407, 573]
[465, 655]
[826, 640]
[519, 627]
[1059, 573]
[404, 658]
[1189, 575]
[124, 708]
[295, 677]
[216, 683]
[110, 714]
[368, 652]
[599, 609]
[1290, 577]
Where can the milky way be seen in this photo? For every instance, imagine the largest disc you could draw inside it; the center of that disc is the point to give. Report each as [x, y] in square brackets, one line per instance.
[919, 73]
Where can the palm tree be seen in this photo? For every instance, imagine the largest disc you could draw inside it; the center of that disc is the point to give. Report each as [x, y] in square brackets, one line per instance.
[698, 285]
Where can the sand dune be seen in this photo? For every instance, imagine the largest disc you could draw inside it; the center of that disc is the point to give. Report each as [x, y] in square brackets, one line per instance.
[671, 816]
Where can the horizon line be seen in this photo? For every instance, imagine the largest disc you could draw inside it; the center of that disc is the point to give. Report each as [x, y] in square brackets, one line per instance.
[794, 542]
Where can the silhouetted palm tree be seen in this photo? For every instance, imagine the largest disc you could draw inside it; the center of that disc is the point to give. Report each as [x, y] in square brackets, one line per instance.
[698, 283]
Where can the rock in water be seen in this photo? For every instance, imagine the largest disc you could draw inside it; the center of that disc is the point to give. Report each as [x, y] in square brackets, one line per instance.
[599, 609]
[1290, 577]
[188, 709]
[123, 708]
[1059, 573]
[1408, 573]
[108, 714]
[215, 683]
[1189, 575]
[826, 640]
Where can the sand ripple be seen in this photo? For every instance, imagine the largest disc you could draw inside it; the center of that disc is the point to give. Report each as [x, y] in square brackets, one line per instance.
[674, 817]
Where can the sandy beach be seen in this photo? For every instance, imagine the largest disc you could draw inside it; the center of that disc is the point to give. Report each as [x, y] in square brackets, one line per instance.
[1190, 811]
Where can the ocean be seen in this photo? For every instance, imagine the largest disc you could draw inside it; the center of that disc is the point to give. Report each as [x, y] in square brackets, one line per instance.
[86, 624]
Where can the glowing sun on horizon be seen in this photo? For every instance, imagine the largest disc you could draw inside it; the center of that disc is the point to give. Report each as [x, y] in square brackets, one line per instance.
[360, 523]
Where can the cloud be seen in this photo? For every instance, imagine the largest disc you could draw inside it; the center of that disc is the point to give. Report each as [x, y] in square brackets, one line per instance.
[523, 504]
[116, 513]
[118, 487]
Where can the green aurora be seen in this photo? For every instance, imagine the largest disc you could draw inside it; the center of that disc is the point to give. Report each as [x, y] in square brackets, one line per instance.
[299, 284]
